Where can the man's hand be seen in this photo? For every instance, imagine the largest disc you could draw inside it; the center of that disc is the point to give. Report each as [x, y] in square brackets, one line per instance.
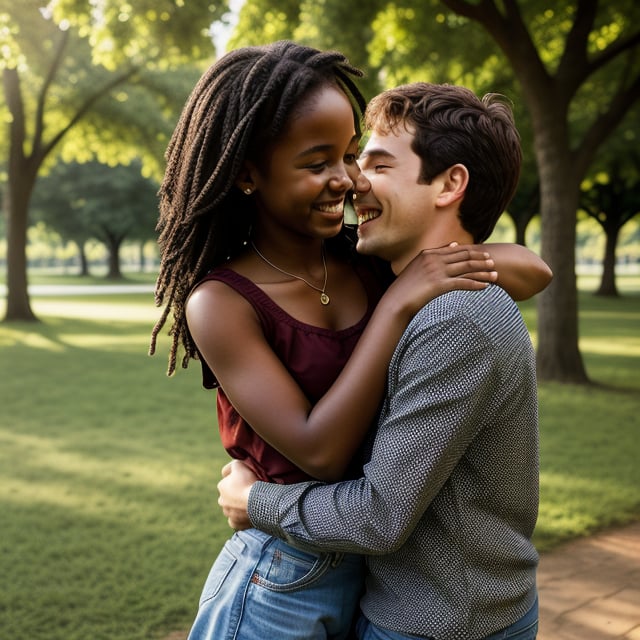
[237, 480]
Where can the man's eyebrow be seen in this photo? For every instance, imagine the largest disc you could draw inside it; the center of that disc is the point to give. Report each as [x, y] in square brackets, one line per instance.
[376, 153]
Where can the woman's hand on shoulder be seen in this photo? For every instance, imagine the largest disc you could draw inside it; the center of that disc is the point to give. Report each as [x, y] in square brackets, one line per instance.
[436, 271]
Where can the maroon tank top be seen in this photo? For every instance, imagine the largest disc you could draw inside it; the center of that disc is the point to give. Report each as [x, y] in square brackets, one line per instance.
[314, 357]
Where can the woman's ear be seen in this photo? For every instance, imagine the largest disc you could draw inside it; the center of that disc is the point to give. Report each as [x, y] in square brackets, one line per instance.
[245, 181]
[454, 185]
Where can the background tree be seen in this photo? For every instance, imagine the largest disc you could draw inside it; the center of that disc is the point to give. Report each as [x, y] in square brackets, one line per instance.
[525, 205]
[54, 203]
[72, 74]
[346, 26]
[612, 199]
[121, 204]
[93, 200]
[577, 71]
[526, 201]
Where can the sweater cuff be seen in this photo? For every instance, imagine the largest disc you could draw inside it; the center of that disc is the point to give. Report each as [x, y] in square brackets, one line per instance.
[263, 506]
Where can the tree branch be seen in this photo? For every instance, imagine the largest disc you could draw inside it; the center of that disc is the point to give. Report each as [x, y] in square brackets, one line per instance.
[575, 67]
[613, 50]
[602, 126]
[510, 33]
[86, 106]
[478, 11]
[573, 62]
[36, 150]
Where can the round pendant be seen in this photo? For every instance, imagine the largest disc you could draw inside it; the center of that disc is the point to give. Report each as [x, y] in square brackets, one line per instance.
[324, 298]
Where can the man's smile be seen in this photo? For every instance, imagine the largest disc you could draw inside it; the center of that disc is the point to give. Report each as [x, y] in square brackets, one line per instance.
[366, 213]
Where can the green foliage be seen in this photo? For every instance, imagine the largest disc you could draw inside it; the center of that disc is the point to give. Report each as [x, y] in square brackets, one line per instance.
[158, 32]
[160, 41]
[92, 200]
[133, 120]
[312, 23]
[318, 28]
[610, 194]
[82, 79]
[413, 41]
[264, 21]
[611, 199]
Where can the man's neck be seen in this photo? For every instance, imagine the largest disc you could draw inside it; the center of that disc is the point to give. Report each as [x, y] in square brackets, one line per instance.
[433, 241]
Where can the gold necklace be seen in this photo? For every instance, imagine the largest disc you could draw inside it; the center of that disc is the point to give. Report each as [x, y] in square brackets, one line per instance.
[324, 298]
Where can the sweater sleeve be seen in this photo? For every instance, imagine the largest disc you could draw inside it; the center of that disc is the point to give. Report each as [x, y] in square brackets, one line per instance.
[441, 380]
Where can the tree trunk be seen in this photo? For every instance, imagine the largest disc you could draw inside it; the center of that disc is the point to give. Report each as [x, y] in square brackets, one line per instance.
[113, 246]
[142, 260]
[608, 280]
[521, 230]
[19, 188]
[559, 358]
[84, 263]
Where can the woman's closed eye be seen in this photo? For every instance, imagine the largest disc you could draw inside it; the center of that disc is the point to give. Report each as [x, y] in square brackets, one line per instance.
[317, 167]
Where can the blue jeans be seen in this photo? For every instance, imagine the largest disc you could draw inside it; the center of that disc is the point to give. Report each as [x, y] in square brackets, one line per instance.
[261, 587]
[524, 629]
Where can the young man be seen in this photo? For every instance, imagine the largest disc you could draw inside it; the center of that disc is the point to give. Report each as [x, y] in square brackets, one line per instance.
[448, 502]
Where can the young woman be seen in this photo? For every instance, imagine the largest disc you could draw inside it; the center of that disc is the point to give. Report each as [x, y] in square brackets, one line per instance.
[293, 329]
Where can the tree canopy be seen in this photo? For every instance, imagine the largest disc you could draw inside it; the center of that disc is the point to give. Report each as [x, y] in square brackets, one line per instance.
[572, 70]
[610, 194]
[90, 80]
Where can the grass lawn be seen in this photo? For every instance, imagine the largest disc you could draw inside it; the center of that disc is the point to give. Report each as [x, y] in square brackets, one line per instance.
[108, 468]
[107, 476]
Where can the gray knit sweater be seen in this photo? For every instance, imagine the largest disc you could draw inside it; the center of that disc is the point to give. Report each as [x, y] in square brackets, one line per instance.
[449, 498]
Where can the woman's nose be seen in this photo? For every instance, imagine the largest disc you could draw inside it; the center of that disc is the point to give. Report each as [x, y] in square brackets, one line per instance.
[341, 181]
[361, 184]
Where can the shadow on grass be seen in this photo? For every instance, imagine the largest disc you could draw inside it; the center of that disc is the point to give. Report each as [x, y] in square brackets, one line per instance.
[107, 476]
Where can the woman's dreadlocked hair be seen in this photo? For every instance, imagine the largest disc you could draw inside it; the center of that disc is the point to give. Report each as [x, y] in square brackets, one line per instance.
[239, 107]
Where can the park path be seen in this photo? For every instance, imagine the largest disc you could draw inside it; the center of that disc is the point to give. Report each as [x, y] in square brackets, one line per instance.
[82, 289]
[590, 588]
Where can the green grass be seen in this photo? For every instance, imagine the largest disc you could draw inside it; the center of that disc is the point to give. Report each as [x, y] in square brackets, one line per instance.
[108, 468]
[107, 477]
[589, 446]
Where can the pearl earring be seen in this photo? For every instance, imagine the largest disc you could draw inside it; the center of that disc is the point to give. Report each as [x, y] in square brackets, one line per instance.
[248, 191]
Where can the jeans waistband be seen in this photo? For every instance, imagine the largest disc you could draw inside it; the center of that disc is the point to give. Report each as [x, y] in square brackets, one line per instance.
[335, 556]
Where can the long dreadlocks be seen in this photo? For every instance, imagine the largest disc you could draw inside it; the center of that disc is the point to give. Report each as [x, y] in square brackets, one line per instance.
[238, 108]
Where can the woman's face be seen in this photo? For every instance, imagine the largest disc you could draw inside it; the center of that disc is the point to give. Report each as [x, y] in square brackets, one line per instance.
[303, 182]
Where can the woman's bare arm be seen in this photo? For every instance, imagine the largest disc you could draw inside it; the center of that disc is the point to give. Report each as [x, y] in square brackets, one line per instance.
[320, 439]
[521, 273]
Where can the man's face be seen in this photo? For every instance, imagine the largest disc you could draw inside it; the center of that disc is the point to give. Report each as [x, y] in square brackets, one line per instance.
[395, 214]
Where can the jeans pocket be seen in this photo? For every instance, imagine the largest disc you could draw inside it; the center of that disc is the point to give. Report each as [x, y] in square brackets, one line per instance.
[221, 568]
[285, 568]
